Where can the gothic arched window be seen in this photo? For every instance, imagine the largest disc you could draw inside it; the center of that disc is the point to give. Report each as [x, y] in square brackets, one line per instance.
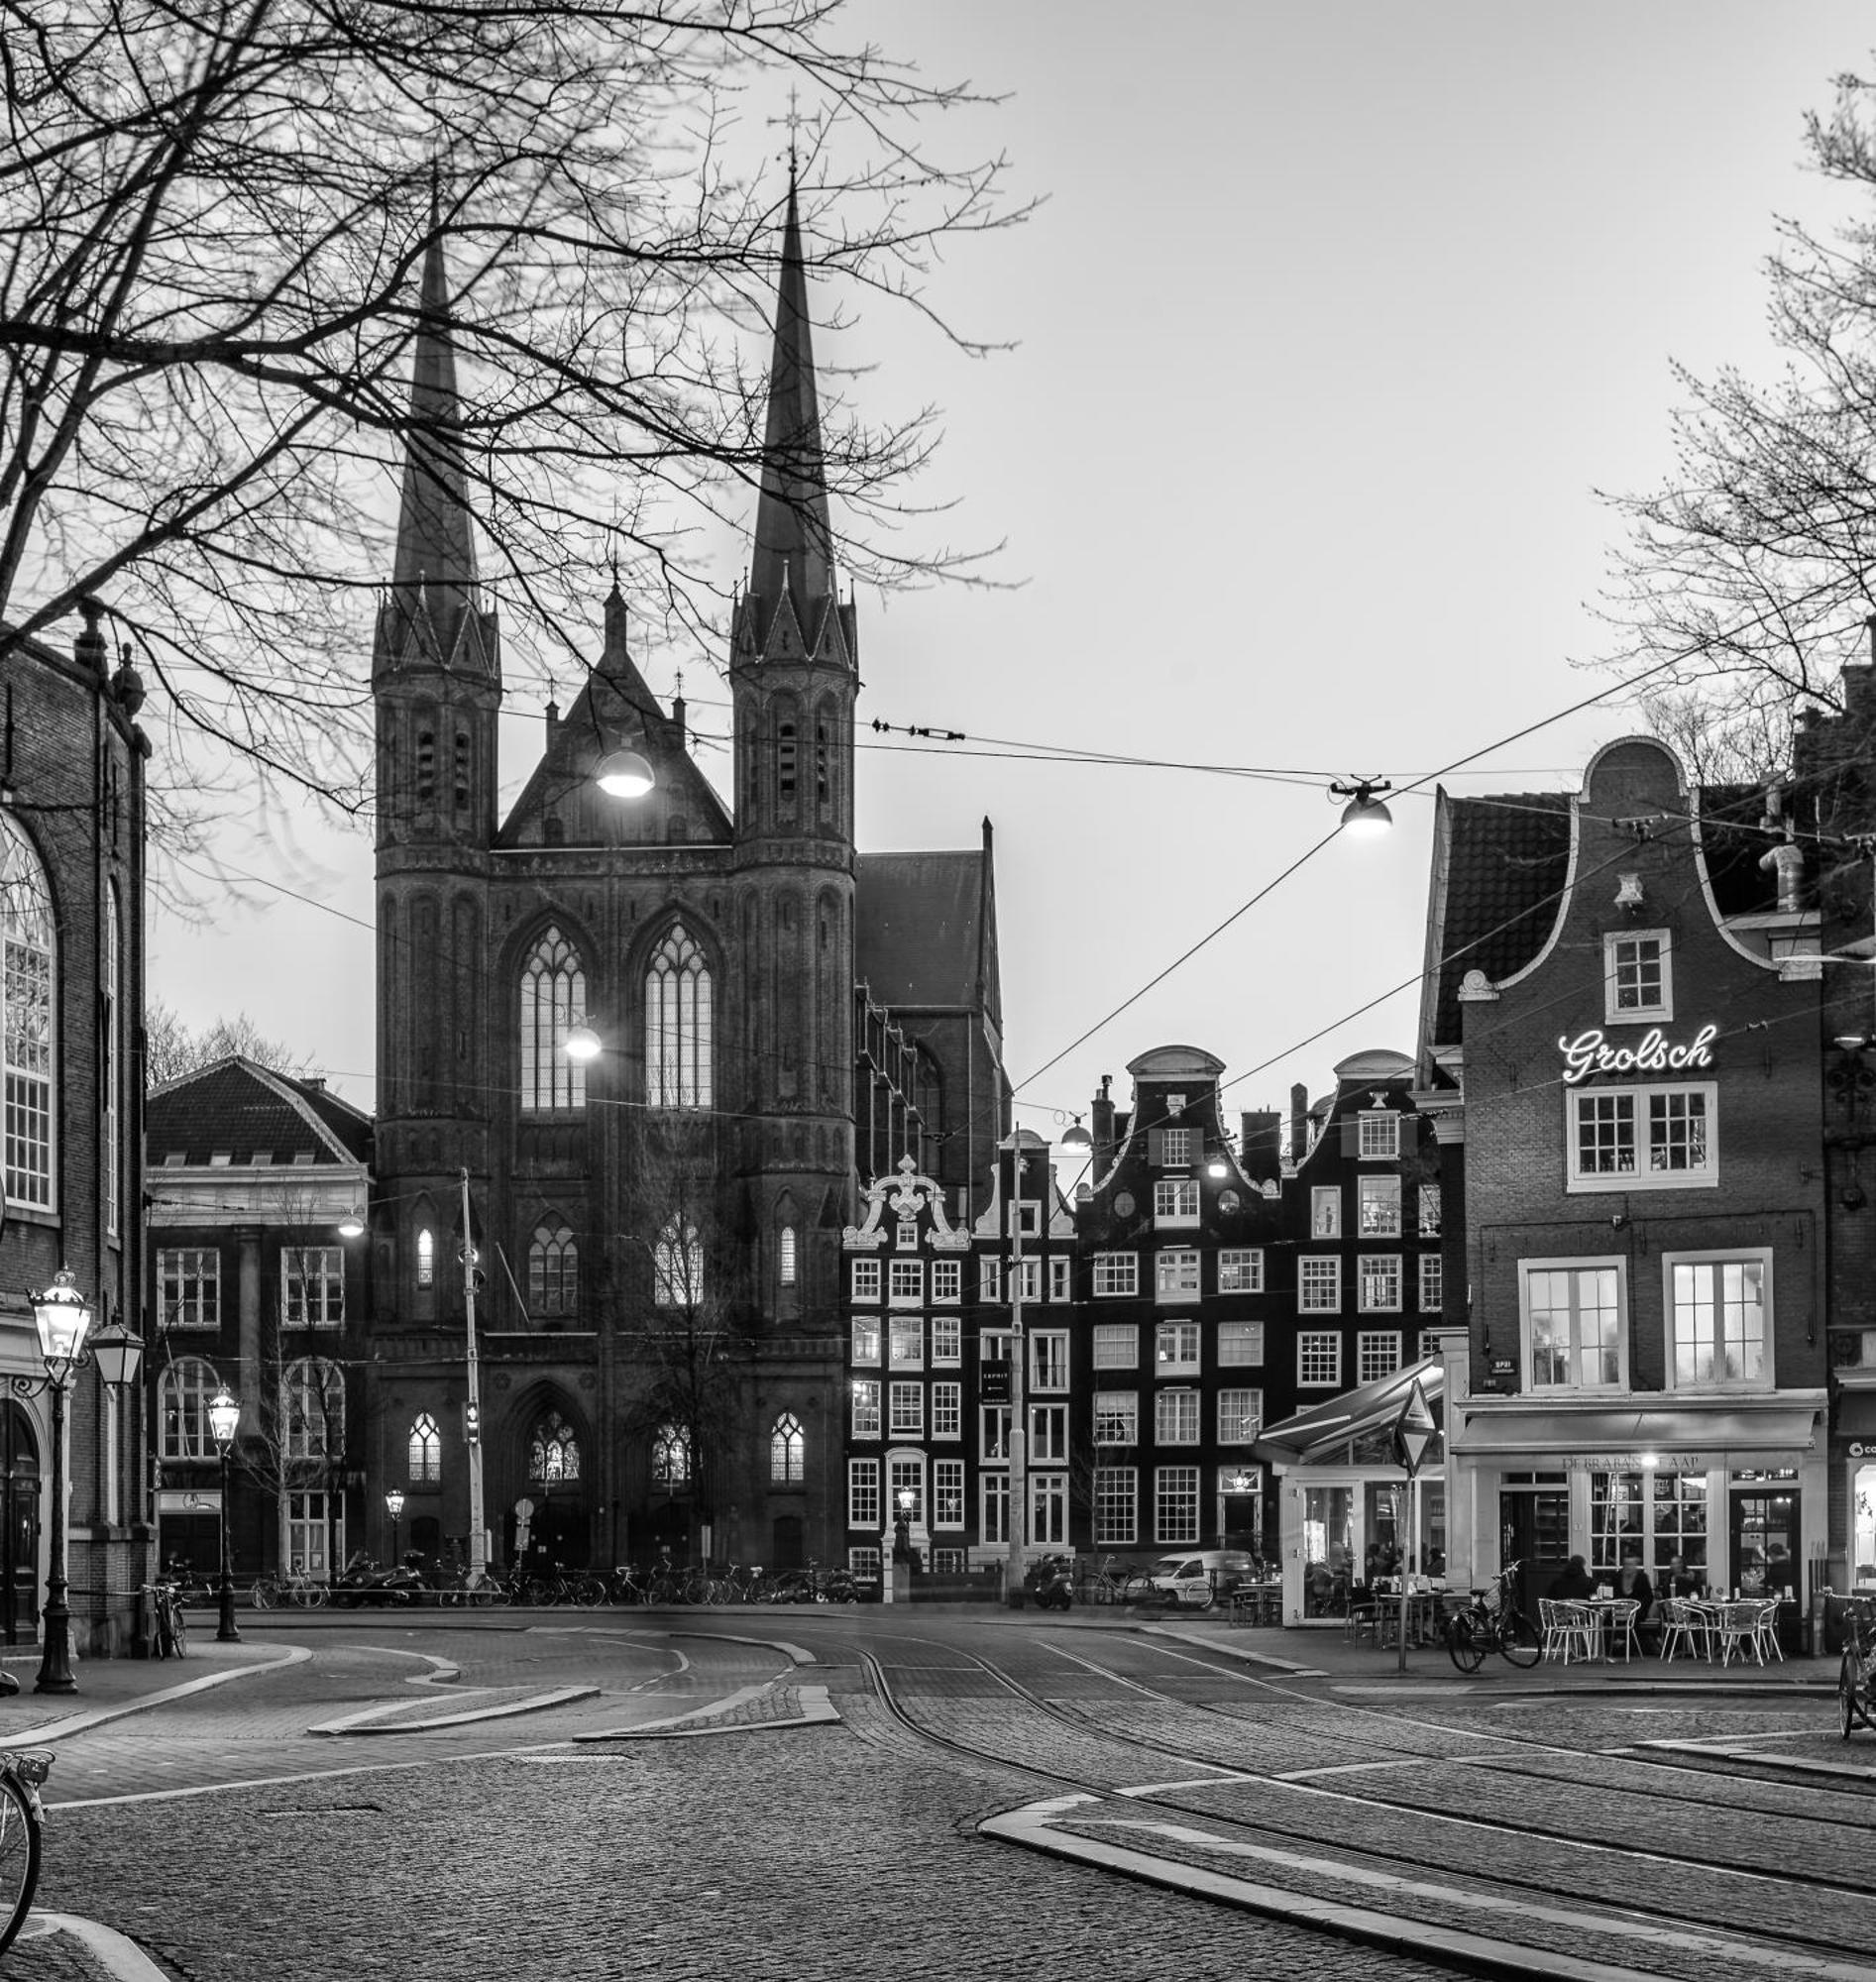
[788, 1451]
[27, 930]
[553, 1269]
[426, 1451]
[677, 1263]
[553, 999]
[426, 1257]
[670, 1457]
[786, 1256]
[312, 1408]
[187, 1386]
[678, 1024]
[553, 1453]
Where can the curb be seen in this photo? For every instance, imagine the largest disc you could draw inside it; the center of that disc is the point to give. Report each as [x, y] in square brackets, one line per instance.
[117, 1953]
[96, 1716]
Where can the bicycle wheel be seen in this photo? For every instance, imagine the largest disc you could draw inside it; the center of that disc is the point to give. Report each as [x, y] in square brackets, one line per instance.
[314, 1596]
[589, 1591]
[486, 1591]
[1462, 1642]
[180, 1632]
[1518, 1639]
[1139, 1588]
[19, 1858]
[265, 1594]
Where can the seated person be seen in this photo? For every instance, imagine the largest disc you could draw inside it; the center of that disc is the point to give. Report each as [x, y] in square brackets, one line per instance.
[1572, 1581]
[1631, 1579]
[1678, 1580]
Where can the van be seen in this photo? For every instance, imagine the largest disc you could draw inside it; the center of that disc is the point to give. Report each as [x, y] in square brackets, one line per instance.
[1195, 1579]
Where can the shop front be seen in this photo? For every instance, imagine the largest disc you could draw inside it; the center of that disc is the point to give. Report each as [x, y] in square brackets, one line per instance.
[1347, 1511]
[1853, 1450]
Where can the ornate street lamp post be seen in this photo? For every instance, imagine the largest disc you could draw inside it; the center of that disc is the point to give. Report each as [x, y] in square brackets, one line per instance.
[394, 1507]
[224, 1414]
[63, 1317]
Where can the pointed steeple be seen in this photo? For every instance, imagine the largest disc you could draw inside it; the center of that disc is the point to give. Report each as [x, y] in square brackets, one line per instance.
[433, 608]
[794, 545]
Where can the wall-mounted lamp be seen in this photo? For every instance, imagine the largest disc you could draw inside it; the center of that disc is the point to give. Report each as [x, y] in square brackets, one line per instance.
[1628, 892]
[352, 1224]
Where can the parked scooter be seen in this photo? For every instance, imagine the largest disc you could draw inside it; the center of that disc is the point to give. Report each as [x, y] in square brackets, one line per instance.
[364, 1581]
[1049, 1582]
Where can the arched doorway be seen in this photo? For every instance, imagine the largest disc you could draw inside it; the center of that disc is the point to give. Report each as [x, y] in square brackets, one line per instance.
[559, 1528]
[19, 1540]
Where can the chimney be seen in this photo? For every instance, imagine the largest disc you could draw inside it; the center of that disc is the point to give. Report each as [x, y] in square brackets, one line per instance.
[1101, 1121]
[1298, 1123]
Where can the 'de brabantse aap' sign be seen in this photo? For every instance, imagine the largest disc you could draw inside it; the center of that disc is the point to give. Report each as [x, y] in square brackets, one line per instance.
[1654, 1053]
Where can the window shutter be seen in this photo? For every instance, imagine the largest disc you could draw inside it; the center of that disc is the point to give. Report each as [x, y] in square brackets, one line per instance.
[1351, 1134]
[1155, 1146]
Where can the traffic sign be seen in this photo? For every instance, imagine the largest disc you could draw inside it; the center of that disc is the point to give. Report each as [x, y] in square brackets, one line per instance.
[1414, 1430]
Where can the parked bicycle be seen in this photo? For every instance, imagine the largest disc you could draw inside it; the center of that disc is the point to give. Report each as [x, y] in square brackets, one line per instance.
[170, 1637]
[22, 1771]
[1856, 1676]
[274, 1589]
[479, 1590]
[1492, 1623]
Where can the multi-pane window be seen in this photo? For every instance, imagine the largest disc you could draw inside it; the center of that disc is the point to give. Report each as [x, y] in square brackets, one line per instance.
[1241, 1270]
[788, 1451]
[1239, 1416]
[907, 1340]
[1175, 1417]
[867, 1407]
[1574, 1316]
[1048, 1509]
[1616, 1519]
[1720, 1319]
[1116, 1346]
[786, 1264]
[866, 1279]
[1430, 1213]
[678, 1025]
[1115, 1496]
[189, 1287]
[28, 931]
[1049, 1360]
[1175, 1346]
[906, 1284]
[947, 1411]
[990, 1280]
[187, 1386]
[947, 1339]
[1176, 1147]
[1176, 1275]
[862, 1493]
[426, 1257]
[1240, 1341]
[1380, 1134]
[908, 1232]
[1175, 1503]
[993, 1491]
[1319, 1358]
[996, 1431]
[908, 1410]
[1646, 1138]
[1325, 1211]
[553, 1269]
[111, 1071]
[677, 1267]
[426, 1451]
[310, 1517]
[947, 1492]
[1049, 1432]
[1116, 1275]
[1026, 1280]
[866, 1339]
[312, 1409]
[1176, 1201]
[553, 1451]
[1380, 1282]
[312, 1286]
[1680, 1520]
[1377, 1354]
[553, 1002]
[1432, 1283]
[1117, 1417]
[1637, 983]
[1319, 1284]
[947, 1281]
[671, 1456]
[1378, 1201]
[1058, 1267]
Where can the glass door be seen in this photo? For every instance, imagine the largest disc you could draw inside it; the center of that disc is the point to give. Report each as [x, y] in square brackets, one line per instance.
[1764, 1531]
[1328, 1518]
[1534, 1530]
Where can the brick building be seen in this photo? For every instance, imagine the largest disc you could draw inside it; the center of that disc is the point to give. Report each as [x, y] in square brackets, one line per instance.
[254, 1284]
[71, 895]
[1619, 1037]
[654, 1238]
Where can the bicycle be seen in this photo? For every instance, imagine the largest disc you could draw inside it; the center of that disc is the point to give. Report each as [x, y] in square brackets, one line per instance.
[1099, 1583]
[1492, 1623]
[22, 1820]
[1856, 1676]
[272, 1590]
[170, 1638]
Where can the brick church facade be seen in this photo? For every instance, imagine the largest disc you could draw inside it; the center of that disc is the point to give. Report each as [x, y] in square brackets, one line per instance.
[653, 1250]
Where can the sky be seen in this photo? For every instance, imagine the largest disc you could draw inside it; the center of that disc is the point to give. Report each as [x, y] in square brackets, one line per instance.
[1331, 325]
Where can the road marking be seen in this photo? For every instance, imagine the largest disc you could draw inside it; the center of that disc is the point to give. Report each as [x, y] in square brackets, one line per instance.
[362, 1722]
[817, 1710]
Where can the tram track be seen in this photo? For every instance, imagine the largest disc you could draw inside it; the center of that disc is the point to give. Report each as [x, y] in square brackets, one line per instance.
[1392, 1820]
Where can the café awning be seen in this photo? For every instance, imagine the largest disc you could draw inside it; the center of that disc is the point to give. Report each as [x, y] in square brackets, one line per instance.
[1533, 1430]
[1325, 1429]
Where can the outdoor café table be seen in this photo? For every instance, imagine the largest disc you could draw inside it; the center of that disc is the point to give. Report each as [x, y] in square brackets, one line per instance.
[1422, 1614]
[1606, 1613]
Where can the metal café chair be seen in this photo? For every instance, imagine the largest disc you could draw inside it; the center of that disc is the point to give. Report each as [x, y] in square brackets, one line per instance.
[1765, 1635]
[1568, 1629]
[1621, 1627]
[1737, 1630]
[1681, 1626]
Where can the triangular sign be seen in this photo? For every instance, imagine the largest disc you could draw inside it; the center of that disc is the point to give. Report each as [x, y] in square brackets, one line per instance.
[1414, 1430]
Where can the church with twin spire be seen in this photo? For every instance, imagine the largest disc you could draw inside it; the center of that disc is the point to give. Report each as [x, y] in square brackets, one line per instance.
[649, 1236]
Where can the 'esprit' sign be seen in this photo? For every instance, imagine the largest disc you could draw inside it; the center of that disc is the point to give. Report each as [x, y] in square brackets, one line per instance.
[1654, 1053]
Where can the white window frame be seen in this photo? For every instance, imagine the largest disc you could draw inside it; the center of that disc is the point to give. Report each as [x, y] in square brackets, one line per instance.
[320, 1291]
[1380, 1282]
[947, 1340]
[1176, 1350]
[904, 1403]
[1027, 1277]
[906, 1341]
[1325, 1211]
[1174, 1204]
[993, 1500]
[1116, 1417]
[990, 1281]
[1377, 1354]
[1319, 1350]
[1178, 1416]
[1240, 1415]
[1577, 1264]
[947, 1411]
[1378, 1207]
[1432, 1211]
[1176, 1149]
[1116, 1505]
[1048, 1435]
[1059, 1265]
[1705, 1265]
[1614, 1012]
[1241, 1269]
[1048, 1359]
[1177, 1274]
[865, 1350]
[1319, 1283]
[866, 1407]
[862, 1494]
[947, 1492]
[905, 1282]
[1241, 1345]
[1644, 1177]
[993, 1439]
[1115, 1275]
[866, 1279]
[1377, 1135]
[947, 1282]
[1048, 1509]
[189, 1287]
[1117, 1345]
[1175, 1509]
[1432, 1284]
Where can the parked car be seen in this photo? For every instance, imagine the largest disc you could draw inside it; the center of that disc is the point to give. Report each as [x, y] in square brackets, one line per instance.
[1196, 1579]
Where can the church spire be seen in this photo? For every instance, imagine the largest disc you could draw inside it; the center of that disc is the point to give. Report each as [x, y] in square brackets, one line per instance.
[794, 545]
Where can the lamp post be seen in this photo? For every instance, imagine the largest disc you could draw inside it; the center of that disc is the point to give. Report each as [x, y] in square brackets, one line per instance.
[394, 1507]
[224, 1416]
[62, 1316]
